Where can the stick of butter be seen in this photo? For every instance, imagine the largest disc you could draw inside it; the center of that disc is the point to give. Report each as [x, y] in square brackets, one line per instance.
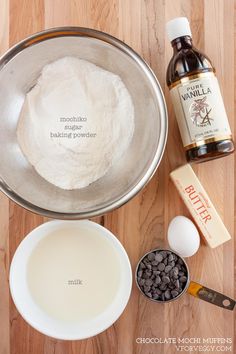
[200, 206]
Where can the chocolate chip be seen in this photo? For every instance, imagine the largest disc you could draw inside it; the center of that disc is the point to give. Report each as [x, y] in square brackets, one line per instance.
[163, 253]
[154, 263]
[142, 265]
[177, 283]
[146, 289]
[166, 279]
[140, 273]
[161, 266]
[167, 294]
[148, 282]
[183, 279]
[145, 276]
[171, 285]
[151, 256]
[162, 286]
[176, 270]
[141, 281]
[174, 293]
[158, 257]
[168, 268]
[171, 258]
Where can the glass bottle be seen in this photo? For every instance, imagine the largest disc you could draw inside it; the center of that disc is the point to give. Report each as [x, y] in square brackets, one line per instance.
[196, 97]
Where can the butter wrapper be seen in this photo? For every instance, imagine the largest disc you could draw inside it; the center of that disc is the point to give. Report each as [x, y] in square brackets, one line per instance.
[200, 206]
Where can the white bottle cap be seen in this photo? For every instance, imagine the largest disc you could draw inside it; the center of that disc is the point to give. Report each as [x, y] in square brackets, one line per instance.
[178, 27]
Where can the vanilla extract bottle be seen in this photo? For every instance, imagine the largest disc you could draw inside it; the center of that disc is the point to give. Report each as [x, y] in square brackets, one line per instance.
[196, 97]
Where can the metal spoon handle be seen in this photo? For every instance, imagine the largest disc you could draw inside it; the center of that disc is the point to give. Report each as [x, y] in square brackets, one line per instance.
[211, 296]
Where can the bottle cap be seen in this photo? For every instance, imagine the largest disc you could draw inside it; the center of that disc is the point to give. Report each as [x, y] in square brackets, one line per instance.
[178, 27]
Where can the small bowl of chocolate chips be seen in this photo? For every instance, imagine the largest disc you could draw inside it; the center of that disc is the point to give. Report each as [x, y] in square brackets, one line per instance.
[162, 275]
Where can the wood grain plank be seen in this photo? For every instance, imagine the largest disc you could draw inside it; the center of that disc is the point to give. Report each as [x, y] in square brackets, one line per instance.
[26, 17]
[218, 176]
[185, 308]
[24, 339]
[4, 25]
[4, 267]
[142, 223]
[229, 177]
[101, 16]
[234, 169]
[130, 23]
[4, 212]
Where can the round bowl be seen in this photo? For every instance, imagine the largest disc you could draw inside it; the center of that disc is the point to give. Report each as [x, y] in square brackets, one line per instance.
[36, 315]
[20, 67]
[185, 265]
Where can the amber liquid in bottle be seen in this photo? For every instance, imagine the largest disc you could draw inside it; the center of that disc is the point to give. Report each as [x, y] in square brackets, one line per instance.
[188, 62]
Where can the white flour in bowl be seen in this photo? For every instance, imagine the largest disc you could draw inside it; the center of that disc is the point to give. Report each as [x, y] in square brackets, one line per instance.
[75, 123]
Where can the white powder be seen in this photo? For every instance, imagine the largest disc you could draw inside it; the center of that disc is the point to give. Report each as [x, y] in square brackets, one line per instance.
[76, 122]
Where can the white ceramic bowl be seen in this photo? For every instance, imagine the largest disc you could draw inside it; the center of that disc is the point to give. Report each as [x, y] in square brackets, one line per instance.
[40, 320]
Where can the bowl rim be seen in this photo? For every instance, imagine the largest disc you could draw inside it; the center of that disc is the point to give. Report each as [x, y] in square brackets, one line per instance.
[28, 244]
[69, 31]
[160, 250]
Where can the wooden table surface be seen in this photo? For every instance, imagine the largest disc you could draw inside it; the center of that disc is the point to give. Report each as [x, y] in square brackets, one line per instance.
[142, 223]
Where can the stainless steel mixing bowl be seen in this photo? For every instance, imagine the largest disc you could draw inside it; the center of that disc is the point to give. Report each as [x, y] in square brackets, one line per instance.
[19, 70]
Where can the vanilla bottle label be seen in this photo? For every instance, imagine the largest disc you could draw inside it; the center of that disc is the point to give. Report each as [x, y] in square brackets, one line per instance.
[200, 110]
